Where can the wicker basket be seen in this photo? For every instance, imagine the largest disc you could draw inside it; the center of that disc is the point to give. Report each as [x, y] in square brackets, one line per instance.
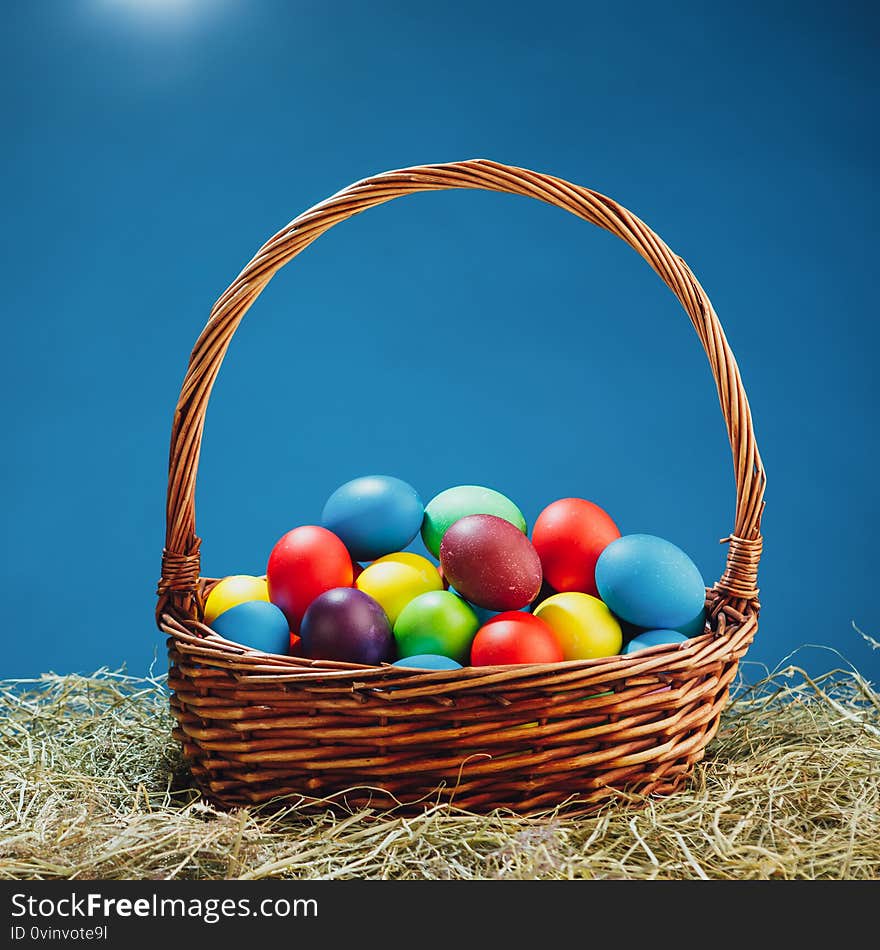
[255, 727]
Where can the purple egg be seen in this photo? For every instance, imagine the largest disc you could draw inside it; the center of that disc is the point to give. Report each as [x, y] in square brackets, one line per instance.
[346, 624]
[490, 562]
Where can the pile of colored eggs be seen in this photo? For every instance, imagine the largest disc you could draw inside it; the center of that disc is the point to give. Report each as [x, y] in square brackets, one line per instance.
[348, 590]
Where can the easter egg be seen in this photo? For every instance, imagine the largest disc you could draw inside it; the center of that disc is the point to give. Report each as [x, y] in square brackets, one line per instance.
[436, 622]
[449, 506]
[584, 626]
[374, 515]
[650, 582]
[514, 637]
[653, 638]
[428, 661]
[346, 624]
[303, 564]
[256, 624]
[569, 535]
[695, 627]
[233, 590]
[395, 579]
[490, 562]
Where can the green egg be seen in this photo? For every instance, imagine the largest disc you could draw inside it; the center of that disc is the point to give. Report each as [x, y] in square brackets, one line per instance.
[445, 509]
[438, 622]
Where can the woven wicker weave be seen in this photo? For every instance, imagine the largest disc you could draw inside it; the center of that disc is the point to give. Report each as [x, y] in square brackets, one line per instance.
[254, 726]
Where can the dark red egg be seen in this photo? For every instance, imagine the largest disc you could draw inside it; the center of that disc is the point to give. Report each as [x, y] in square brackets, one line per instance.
[515, 637]
[490, 562]
[569, 535]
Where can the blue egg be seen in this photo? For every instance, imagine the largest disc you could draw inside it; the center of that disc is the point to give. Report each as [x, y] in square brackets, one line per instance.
[429, 661]
[374, 515]
[256, 624]
[653, 638]
[650, 582]
[695, 627]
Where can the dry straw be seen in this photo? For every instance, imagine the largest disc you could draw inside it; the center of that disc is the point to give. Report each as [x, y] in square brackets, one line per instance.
[92, 786]
[254, 726]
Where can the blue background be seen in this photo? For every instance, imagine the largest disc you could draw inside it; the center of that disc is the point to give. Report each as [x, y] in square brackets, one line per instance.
[151, 146]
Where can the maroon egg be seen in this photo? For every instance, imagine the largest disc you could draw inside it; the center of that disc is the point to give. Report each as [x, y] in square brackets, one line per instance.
[490, 562]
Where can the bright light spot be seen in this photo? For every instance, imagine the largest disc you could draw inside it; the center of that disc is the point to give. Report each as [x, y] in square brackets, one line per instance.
[163, 10]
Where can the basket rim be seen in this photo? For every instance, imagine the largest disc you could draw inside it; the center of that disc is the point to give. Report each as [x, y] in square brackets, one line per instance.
[179, 584]
[194, 635]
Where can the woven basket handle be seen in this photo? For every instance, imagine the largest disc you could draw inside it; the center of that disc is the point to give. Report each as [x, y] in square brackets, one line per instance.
[180, 561]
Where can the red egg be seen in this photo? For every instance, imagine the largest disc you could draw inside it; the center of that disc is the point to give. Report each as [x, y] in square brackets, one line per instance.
[569, 535]
[305, 563]
[515, 638]
[490, 562]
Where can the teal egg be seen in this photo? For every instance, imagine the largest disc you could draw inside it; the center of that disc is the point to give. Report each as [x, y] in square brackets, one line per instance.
[429, 661]
[257, 624]
[695, 627]
[653, 638]
[650, 582]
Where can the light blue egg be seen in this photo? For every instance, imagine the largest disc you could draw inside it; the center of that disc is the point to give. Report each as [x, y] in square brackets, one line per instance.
[653, 638]
[650, 582]
[374, 515]
[429, 661]
[256, 624]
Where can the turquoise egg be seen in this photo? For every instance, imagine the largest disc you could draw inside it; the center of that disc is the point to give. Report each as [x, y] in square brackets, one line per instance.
[429, 661]
[653, 638]
[695, 627]
[650, 582]
[256, 624]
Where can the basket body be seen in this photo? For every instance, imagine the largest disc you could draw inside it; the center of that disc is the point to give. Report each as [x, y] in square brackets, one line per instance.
[527, 739]
[256, 728]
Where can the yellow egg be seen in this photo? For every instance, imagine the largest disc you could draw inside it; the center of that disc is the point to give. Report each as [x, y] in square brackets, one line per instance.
[583, 624]
[232, 591]
[396, 579]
